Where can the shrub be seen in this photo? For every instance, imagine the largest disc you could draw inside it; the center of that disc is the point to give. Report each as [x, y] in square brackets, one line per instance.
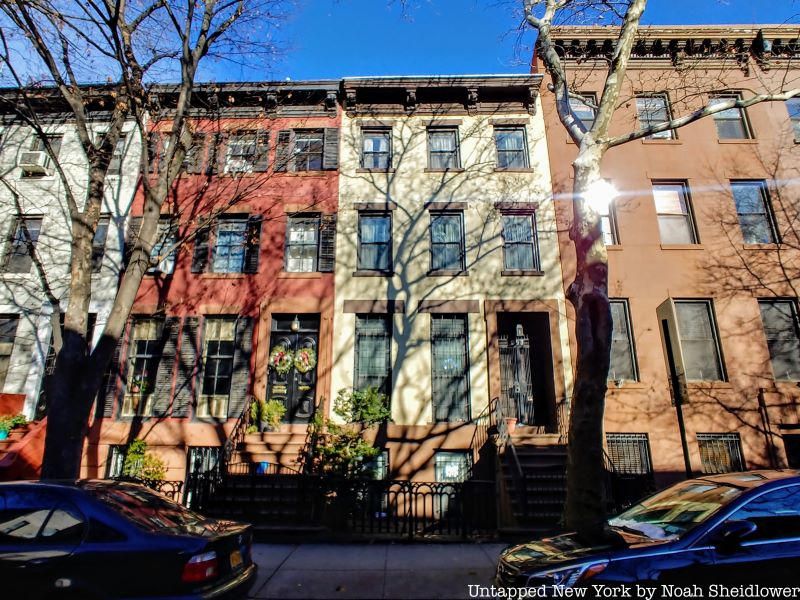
[9, 422]
[367, 407]
[142, 464]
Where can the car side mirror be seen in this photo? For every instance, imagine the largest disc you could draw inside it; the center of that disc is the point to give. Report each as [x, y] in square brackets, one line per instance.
[731, 533]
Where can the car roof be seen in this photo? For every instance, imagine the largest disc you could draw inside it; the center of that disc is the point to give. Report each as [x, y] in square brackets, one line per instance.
[751, 479]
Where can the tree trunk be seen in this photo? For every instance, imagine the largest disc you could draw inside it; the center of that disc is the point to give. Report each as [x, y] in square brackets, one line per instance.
[586, 481]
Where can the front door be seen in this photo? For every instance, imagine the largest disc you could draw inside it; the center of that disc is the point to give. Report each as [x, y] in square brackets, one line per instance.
[516, 382]
[293, 357]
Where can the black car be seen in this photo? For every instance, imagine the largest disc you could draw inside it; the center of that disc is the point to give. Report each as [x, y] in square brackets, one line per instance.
[110, 539]
[738, 528]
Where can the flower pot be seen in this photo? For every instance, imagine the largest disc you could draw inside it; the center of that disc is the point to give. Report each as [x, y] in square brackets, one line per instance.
[3, 434]
[511, 424]
[263, 426]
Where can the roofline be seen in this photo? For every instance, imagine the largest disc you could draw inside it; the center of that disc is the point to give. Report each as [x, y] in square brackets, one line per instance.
[406, 81]
[679, 31]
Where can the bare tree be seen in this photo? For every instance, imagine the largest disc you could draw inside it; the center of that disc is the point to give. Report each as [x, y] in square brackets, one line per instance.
[588, 293]
[62, 45]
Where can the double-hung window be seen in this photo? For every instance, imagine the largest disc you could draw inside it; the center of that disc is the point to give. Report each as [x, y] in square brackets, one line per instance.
[99, 243]
[302, 240]
[702, 358]
[22, 244]
[584, 108]
[443, 148]
[229, 249]
[117, 156]
[308, 148]
[163, 251]
[512, 151]
[377, 148]
[375, 242]
[732, 122]
[720, 452]
[247, 152]
[218, 351]
[447, 241]
[451, 467]
[8, 333]
[623, 362]
[373, 353]
[782, 329]
[520, 248]
[675, 222]
[793, 106]
[753, 211]
[38, 145]
[652, 111]
[144, 355]
[450, 367]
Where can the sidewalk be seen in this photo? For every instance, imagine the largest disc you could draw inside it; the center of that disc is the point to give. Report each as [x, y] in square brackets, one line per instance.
[372, 570]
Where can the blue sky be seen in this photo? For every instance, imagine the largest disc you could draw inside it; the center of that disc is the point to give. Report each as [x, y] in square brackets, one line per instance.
[336, 38]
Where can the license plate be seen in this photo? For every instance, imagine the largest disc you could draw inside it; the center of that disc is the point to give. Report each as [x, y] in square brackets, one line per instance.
[236, 559]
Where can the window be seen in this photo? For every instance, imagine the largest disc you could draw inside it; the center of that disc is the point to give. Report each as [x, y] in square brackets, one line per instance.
[115, 461]
[652, 111]
[373, 353]
[38, 517]
[698, 333]
[450, 367]
[753, 210]
[674, 216]
[22, 242]
[776, 514]
[377, 150]
[520, 248]
[37, 145]
[99, 243]
[793, 106]
[608, 223]
[203, 459]
[144, 355]
[584, 108]
[375, 242]
[8, 333]
[782, 329]
[163, 251]
[443, 148]
[247, 152]
[308, 148]
[229, 249]
[218, 349]
[512, 152]
[629, 453]
[731, 123]
[115, 164]
[447, 242]
[377, 468]
[451, 467]
[623, 364]
[720, 452]
[302, 238]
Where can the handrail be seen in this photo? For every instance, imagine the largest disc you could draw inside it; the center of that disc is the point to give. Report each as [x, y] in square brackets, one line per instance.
[236, 436]
[481, 434]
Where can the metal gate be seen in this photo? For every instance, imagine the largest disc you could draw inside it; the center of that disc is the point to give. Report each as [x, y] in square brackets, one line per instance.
[516, 382]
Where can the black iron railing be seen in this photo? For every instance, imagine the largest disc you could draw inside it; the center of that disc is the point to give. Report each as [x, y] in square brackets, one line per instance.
[237, 435]
[171, 489]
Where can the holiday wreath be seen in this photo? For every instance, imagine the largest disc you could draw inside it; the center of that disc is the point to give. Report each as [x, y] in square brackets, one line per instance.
[281, 360]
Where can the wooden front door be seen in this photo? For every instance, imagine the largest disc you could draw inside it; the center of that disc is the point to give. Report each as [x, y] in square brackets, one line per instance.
[293, 357]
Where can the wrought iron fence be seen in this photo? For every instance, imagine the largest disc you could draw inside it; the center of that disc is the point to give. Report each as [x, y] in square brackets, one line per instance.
[171, 489]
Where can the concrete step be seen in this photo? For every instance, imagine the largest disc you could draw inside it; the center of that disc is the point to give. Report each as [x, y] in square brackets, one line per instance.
[259, 455]
[255, 447]
[531, 438]
[277, 437]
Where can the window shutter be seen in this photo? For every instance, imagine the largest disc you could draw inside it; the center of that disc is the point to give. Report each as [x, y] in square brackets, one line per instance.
[216, 155]
[197, 154]
[240, 378]
[108, 393]
[201, 249]
[283, 150]
[330, 152]
[131, 234]
[252, 243]
[167, 342]
[327, 243]
[262, 151]
[187, 361]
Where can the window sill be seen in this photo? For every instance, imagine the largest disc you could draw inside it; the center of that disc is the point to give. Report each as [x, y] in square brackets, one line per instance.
[709, 385]
[614, 247]
[293, 275]
[513, 170]
[627, 384]
[306, 173]
[741, 141]
[769, 247]
[453, 170]
[223, 275]
[447, 273]
[367, 273]
[662, 142]
[363, 170]
[521, 272]
[682, 247]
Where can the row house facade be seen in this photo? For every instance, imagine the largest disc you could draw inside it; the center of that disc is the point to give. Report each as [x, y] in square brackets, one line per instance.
[702, 244]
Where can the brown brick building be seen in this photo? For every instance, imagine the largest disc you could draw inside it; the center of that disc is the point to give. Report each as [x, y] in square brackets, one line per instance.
[703, 233]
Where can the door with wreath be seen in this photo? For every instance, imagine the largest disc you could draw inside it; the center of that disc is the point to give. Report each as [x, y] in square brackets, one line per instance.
[293, 355]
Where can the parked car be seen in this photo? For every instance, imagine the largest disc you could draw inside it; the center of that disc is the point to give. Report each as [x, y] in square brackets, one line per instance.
[112, 539]
[738, 528]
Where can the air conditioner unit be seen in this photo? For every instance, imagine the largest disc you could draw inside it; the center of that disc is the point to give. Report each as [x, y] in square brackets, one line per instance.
[34, 162]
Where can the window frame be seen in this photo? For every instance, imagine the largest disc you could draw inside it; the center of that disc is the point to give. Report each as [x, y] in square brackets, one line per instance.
[530, 216]
[317, 219]
[688, 216]
[116, 459]
[795, 318]
[388, 243]
[14, 243]
[645, 123]
[641, 441]
[766, 203]
[227, 220]
[726, 438]
[709, 304]
[522, 151]
[141, 404]
[167, 235]
[446, 457]
[118, 155]
[465, 349]
[434, 214]
[207, 402]
[625, 303]
[589, 100]
[305, 155]
[99, 243]
[794, 117]
[387, 335]
[37, 145]
[7, 356]
[371, 131]
[455, 152]
[743, 118]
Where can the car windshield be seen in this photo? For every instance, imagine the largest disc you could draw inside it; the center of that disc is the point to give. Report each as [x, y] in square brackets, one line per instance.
[673, 512]
[145, 508]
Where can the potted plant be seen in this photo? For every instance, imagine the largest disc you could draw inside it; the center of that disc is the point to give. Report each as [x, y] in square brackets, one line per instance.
[270, 414]
[9, 422]
[511, 424]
